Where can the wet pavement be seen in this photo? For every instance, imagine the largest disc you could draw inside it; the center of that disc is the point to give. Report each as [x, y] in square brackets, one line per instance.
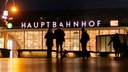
[93, 64]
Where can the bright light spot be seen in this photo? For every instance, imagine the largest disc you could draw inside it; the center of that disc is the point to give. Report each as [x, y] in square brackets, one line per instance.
[10, 45]
[111, 55]
[5, 13]
[114, 23]
[14, 9]
[10, 18]
[71, 55]
[4, 17]
[9, 25]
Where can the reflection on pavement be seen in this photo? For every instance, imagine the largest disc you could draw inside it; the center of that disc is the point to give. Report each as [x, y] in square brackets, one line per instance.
[96, 64]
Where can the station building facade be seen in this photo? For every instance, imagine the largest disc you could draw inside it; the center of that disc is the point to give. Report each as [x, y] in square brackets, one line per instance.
[29, 29]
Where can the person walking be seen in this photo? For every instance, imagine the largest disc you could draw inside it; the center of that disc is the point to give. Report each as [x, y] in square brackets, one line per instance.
[59, 36]
[116, 44]
[49, 42]
[84, 39]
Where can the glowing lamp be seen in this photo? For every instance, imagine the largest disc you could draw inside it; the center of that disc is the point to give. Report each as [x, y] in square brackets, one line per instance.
[9, 25]
[13, 9]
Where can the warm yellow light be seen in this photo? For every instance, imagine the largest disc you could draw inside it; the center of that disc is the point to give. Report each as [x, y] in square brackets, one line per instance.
[10, 18]
[71, 55]
[14, 9]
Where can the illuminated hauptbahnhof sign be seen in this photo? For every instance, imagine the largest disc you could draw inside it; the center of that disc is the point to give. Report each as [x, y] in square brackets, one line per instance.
[66, 24]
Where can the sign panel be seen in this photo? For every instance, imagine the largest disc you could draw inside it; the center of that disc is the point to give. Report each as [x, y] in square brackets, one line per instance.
[64, 24]
[114, 23]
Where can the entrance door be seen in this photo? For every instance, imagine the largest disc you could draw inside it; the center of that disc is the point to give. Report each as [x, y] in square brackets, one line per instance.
[13, 46]
[10, 46]
[76, 41]
[103, 40]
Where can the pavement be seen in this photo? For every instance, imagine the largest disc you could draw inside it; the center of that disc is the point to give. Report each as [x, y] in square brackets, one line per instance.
[92, 64]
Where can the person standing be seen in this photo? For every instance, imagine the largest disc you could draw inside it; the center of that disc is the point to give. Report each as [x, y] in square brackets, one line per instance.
[59, 36]
[49, 42]
[84, 39]
[116, 44]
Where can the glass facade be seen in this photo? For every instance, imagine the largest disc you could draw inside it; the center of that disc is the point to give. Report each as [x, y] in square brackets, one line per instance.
[34, 39]
[103, 40]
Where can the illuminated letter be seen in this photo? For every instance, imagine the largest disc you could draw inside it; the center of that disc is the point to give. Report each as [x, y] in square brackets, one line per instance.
[48, 24]
[23, 25]
[42, 24]
[83, 24]
[36, 25]
[98, 22]
[61, 24]
[68, 24]
[76, 24]
[29, 25]
[91, 23]
[54, 24]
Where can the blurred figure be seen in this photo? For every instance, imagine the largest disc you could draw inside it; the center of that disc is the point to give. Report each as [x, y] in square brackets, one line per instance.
[124, 47]
[49, 42]
[59, 36]
[84, 39]
[116, 44]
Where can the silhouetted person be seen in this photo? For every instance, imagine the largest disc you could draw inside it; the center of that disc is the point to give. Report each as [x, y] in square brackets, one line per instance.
[49, 42]
[59, 36]
[84, 39]
[116, 44]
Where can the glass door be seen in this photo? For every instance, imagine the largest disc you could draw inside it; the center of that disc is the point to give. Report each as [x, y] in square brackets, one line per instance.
[76, 41]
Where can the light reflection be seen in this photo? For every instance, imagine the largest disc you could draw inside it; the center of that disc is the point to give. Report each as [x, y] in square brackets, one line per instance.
[100, 64]
[115, 66]
[26, 65]
[14, 65]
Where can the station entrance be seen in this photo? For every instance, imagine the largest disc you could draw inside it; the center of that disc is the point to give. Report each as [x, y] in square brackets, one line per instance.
[34, 39]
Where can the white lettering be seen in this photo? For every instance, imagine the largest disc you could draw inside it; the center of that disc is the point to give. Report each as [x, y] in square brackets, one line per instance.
[61, 24]
[83, 24]
[42, 24]
[76, 24]
[29, 25]
[48, 24]
[68, 24]
[98, 22]
[54, 24]
[23, 25]
[36, 24]
[91, 23]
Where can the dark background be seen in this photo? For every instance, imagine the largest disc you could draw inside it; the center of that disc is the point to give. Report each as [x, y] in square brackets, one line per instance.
[37, 5]
[69, 10]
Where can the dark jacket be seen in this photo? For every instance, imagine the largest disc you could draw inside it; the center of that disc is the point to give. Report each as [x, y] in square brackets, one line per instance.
[59, 35]
[85, 37]
[49, 38]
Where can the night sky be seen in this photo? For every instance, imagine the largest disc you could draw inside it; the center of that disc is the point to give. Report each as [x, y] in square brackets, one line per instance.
[37, 5]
